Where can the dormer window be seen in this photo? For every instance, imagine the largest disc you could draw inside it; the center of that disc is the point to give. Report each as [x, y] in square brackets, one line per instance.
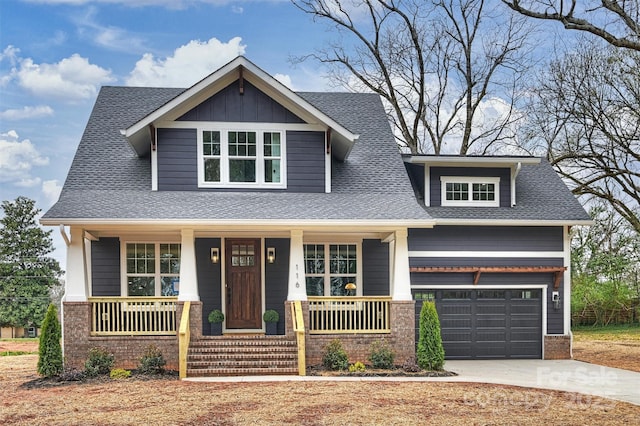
[470, 191]
[240, 158]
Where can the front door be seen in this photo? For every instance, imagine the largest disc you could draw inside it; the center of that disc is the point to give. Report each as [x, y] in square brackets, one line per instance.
[243, 289]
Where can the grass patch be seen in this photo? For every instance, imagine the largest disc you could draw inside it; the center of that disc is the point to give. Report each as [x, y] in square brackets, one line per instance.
[608, 332]
[16, 353]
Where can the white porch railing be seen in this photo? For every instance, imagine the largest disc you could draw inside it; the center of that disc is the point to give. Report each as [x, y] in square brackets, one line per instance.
[350, 314]
[118, 316]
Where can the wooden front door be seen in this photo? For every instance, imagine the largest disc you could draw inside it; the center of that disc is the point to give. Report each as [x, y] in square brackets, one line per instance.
[243, 289]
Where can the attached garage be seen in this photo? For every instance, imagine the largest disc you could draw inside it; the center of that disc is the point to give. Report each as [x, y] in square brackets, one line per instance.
[487, 323]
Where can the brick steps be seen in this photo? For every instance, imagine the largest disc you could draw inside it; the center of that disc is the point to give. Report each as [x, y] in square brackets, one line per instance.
[242, 355]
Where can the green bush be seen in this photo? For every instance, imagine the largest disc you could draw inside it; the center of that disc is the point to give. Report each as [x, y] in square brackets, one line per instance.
[381, 355]
[216, 316]
[271, 315]
[49, 349]
[335, 357]
[430, 351]
[99, 362]
[152, 361]
[120, 373]
[358, 367]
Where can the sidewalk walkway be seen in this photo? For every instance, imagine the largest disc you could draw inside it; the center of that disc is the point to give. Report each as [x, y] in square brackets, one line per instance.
[562, 375]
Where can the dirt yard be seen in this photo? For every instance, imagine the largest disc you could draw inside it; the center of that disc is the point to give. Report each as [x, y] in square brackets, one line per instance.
[173, 402]
[614, 349]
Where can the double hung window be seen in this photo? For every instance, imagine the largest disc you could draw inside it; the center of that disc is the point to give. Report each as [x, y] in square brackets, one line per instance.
[251, 158]
[152, 269]
[330, 267]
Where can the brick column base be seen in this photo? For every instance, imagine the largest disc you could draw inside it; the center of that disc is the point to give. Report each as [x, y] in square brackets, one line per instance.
[557, 346]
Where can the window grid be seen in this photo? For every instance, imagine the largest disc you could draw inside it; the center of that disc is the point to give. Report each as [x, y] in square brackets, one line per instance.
[152, 269]
[342, 268]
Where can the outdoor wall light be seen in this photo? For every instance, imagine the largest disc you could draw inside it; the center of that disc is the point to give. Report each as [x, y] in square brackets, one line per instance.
[555, 298]
[271, 254]
[215, 254]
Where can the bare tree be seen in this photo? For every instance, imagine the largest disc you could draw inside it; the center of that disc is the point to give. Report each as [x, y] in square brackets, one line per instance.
[437, 64]
[586, 114]
[616, 21]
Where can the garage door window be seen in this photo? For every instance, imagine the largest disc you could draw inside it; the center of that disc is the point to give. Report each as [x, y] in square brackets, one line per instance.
[456, 294]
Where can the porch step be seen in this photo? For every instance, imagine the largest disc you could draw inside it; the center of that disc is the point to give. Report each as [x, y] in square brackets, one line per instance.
[242, 355]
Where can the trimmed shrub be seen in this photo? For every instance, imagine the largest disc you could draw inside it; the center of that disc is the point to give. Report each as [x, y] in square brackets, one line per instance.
[271, 315]
[358, 367]
[49, 349]
[430, 351]
[120, 373]
[411, 366]
[152, 361]
[335, 357]
[99, 362]
[381, 355]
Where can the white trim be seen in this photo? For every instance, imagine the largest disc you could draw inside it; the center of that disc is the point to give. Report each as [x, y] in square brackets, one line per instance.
[566, 279]
[224, 76]
[478, 161]
[543, 287]
[476, 253]
[289, 127]
[427, 185]
[124, 287]
[327, 163]
[513, 222]
[224, 129]
[470, 181]
[514, 174]
[154, 163]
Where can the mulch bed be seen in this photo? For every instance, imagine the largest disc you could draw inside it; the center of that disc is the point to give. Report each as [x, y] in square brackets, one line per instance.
[371, 372]
[77, 378]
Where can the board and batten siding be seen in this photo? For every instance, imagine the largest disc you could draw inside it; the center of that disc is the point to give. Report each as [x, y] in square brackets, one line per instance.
[435, 173]
[250, 106]
[305, 161]
[276, 284]
[177, 160]
[209, 279]
[105, 267]
[375, 268]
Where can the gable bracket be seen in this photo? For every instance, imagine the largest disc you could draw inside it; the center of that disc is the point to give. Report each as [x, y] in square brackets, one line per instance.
[241, 79]
[152, 135]
[478, 270]
[329, 140]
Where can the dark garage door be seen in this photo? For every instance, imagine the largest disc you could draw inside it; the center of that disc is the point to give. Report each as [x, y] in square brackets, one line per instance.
[487, 324]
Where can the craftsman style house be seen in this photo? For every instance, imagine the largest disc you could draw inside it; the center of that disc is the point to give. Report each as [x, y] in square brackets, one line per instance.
[240, 195]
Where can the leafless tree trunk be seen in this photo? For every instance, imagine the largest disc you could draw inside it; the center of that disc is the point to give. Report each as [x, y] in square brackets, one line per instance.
[616, 21]
[587, 117]
[437, 64]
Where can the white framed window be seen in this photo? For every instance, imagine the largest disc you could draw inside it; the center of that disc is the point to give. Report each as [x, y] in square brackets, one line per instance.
[241, 157]
[150, 269]
[330, 267]
[470, 191]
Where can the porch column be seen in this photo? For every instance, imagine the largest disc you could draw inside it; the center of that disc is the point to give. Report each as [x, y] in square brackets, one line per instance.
[401, 278]
[297, 284]
[76, 280]
[188, 276]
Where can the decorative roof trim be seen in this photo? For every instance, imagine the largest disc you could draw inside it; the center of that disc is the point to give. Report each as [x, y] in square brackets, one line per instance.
[478, 270]
[218, 80]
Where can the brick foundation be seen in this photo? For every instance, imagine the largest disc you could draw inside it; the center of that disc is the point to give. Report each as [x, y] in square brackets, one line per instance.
[357, 346]
[557, 346]
[127, 350]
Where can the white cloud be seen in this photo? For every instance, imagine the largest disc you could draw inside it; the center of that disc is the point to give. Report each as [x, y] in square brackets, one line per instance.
[27, 112]
[51, 190]
[284, 79]
[17, 158]
[28, 182]
[188, 65]
[108, 37]
[71, 79]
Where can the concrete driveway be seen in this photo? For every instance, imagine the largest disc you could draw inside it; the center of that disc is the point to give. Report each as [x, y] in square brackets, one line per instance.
[563, 375]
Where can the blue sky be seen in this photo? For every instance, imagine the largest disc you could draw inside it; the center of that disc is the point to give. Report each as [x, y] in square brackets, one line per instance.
[55, 55]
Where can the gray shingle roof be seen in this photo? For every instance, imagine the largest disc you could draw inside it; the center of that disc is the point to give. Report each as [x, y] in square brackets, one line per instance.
[107, 180]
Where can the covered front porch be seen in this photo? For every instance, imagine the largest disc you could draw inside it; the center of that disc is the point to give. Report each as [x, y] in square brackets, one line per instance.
[242, 277]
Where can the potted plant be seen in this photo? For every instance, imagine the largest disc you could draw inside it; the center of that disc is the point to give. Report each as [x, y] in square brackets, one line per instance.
[271, 318]
[216, 317]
